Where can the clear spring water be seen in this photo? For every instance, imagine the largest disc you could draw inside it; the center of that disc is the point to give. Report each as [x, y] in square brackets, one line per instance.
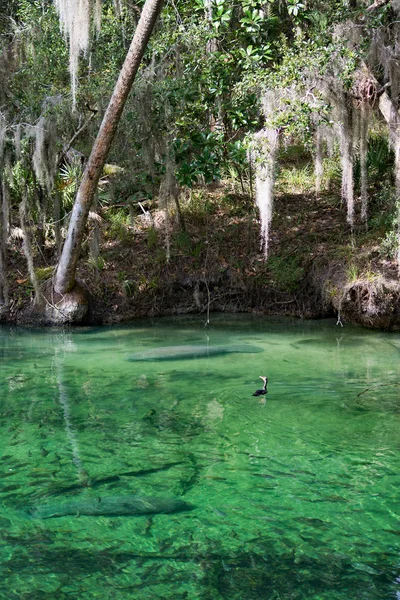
[295, 495]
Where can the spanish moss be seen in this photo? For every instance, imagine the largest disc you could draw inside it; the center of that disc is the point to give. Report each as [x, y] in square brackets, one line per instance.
[167, 191]
[319, 167]
[345, 124]
[45, 157]
[27, 245]
[265, 154]
[3, 131]
[75, 25]
[363, 161]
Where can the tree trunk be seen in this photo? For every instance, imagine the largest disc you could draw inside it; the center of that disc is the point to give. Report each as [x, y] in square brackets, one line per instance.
[27, 246]
[57, 220]
[3, 249]
[392, 117]
[64, 279]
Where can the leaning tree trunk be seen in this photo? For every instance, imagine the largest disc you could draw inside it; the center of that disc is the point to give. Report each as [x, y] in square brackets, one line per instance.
[4, 299]
[67, 302]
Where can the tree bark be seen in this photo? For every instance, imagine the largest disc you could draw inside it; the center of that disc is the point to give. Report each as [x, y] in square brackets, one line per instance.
[64, 279]
[3, 249]
[386, 106]
[377, 4]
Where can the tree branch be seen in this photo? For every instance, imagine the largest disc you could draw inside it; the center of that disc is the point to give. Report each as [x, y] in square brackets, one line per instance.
[67, 147]
[377, 4]
[386, 105]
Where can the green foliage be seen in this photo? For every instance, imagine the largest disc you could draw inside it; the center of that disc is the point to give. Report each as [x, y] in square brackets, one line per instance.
[44, 273]
[128, 288]
[297, 180]
[118, 217]
[221, 14]
[196, 100]
[69, 178]
[294, 7]
[20, 180]
[384, 208]
[44, 68]
[196, 249]
[389, 246]
[380, 162]
[187, 245]
[152, 238]
[97, 264]
[198, 206]
[332, 178]
[119, 226]
[286, 272]
[386, 220]
[238, 205]
[199, 156]
[380, 159]
[183, 241]
[187, 83]
[352, 273]
[146, 284]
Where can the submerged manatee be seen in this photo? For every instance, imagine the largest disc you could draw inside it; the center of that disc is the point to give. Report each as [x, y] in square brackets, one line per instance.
[181, 352]
[112, 506]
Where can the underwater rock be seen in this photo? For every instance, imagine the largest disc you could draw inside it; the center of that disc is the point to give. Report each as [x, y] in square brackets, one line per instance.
[112, 506]
[183, 352]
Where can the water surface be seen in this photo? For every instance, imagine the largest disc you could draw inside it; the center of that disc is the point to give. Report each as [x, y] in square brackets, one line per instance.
[294, 495]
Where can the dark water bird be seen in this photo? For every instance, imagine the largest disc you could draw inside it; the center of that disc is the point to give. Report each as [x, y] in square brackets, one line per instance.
[264, 390]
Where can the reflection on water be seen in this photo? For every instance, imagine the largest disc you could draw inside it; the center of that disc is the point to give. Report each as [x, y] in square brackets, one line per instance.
[295, 494]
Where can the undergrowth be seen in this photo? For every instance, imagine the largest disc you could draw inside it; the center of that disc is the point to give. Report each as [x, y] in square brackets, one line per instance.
[221, 234]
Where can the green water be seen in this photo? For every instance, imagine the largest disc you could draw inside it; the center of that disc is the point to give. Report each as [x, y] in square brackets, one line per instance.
[295, 495]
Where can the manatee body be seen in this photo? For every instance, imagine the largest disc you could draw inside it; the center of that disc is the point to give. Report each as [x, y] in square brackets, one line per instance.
[182, 352]
[112, 506]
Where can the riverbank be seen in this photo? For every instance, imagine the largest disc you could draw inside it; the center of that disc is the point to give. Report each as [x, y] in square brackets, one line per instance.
[211, 261]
